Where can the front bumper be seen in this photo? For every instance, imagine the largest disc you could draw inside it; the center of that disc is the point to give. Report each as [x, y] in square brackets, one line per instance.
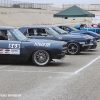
[86, 47]
[94, 45]
[60, 56]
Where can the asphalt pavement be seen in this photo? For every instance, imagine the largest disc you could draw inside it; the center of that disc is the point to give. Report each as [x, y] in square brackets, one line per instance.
[76, 77]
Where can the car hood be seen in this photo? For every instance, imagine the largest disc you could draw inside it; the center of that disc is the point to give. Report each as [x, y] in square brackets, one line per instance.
[76, 36]
[78, 31]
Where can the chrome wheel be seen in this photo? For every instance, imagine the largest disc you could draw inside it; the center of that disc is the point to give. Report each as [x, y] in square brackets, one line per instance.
[73, 48]
[41, 57]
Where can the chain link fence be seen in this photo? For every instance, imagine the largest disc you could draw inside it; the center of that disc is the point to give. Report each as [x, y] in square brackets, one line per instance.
[91, 7]
[27, 5]
[19, 4]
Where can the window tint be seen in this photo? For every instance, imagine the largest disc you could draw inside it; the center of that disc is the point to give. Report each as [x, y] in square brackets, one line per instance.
[3, 35]
[31, 32]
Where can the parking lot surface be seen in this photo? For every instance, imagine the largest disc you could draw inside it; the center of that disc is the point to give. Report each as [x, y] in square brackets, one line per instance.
[76, 77]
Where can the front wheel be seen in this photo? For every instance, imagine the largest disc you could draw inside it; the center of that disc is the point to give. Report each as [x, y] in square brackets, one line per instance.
[41, 57]
[73, 48]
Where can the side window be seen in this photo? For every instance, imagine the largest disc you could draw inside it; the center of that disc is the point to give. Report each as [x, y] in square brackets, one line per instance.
[6, 35]
[26, 32]
[64, 27]
[3, 35]
[61, 27]
[41, 32]
[31, 32]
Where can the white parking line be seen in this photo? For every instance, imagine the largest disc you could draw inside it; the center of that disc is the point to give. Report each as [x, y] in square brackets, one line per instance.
[20, 71]
[79, 70]
[4, 66]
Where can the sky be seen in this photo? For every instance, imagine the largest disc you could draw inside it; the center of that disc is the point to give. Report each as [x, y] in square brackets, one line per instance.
[63, 1]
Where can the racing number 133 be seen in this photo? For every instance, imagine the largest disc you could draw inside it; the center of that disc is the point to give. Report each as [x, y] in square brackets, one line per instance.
[14, 46]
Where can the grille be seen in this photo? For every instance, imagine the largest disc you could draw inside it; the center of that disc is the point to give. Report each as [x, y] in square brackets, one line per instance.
[88, 41]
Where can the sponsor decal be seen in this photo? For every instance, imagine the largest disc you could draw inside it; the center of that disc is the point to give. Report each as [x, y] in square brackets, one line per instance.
[42, 44]
[10, 51]
[14, 46]
[7, 49]
[1, 52]
[1, 49]
[7, 52]
[15, 51]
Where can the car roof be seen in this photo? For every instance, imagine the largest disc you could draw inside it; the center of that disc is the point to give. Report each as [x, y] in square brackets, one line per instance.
[36, 26]
[24, 28]
[5, 27]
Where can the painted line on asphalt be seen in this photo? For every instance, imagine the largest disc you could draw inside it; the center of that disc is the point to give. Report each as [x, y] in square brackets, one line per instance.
[4, 66]
[79, 70]
[36, 71]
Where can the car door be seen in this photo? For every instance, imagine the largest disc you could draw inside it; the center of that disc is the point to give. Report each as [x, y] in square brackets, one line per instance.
[40, 33]
[10, 50]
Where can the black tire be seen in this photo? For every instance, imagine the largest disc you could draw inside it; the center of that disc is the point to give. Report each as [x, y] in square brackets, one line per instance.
[41, 57]
[73, 48]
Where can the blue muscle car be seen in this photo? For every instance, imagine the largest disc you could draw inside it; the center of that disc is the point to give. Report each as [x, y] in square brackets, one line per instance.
[73, 30]
[15, 47]
[81, 27]
[75, 43]
[62, 32]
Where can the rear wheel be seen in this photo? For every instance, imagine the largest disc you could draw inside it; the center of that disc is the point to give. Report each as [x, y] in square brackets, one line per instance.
[73, 48]
[41, 57]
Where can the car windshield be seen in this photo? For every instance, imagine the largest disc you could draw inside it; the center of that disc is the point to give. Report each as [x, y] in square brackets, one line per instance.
[57, 29]
[18, 34]
[74, 29]
[51, 31]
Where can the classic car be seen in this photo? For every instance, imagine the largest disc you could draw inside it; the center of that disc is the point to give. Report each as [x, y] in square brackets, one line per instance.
[84, 27]
[15, 47]
[63, 32]
[75, 43]
[73, 30]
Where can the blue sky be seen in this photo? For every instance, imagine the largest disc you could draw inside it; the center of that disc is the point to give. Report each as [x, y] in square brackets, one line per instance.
[63, 1]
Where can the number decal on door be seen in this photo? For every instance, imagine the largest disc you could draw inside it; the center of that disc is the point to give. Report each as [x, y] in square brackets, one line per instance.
[14, 46]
